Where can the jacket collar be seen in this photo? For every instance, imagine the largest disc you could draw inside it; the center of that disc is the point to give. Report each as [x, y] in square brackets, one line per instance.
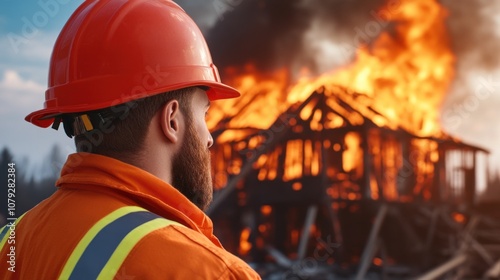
[97, 172]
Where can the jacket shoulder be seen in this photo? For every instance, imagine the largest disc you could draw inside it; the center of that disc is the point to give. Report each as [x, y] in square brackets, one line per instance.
[177, 252]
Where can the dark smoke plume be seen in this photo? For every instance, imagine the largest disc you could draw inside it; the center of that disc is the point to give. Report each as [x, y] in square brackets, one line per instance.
[265, 33]
[272, 33]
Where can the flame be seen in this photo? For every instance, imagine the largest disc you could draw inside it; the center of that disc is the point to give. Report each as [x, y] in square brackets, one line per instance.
[353, 153]
[266, 210]
[396, 82]
[404, 75]
[377, 261]
[245, 245]
[409, 71]
[459, 217]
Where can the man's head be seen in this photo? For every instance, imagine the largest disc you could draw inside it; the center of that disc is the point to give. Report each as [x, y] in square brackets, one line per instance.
[114, 58]
[165, 134]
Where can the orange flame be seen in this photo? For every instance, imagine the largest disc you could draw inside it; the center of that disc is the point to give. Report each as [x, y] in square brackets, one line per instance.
[459, 217]
[409, 71]
[245, 245]
[398, 81]
[404, 74]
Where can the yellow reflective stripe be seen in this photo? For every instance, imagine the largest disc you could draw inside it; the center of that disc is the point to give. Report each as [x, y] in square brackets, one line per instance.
[6, 236]
[116, 260]
[82, 245]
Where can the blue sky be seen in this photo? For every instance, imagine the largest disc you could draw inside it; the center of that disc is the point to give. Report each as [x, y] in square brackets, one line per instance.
[28, 30]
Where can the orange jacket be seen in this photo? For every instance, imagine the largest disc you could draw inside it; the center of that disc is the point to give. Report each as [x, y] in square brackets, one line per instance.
[93, 186]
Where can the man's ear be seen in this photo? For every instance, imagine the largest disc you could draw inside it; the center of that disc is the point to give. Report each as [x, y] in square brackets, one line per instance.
[170, 119]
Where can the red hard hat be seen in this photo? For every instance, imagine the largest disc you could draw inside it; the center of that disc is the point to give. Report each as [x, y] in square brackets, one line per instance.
[114, 51]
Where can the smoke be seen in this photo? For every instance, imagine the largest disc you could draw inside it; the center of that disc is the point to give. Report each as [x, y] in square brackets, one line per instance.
[267, 34]
[470, 110]
[474, 31]
[276, 34]
[203, 12]
[473, 28]
[322, 35]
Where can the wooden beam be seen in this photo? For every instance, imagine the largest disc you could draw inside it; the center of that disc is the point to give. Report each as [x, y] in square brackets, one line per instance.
[444, 268]
[306, 231]
[370, 247]
[485, 255]
[470, 240]
[279, 257]
[492, 247]
[493, 272]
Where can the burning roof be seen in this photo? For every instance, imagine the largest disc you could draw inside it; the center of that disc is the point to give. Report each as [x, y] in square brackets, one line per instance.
[398, 81]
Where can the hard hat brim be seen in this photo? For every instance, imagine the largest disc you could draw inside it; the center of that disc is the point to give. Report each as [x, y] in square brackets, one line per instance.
[45, 117]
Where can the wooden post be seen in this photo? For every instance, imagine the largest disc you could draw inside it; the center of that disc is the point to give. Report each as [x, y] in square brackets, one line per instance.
[445, 267]
[306, 230]
[279, 257]
[369, 251]
[493, 272]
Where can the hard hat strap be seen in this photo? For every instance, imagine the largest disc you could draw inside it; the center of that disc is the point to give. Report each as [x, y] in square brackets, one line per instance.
[67, 121]
[84, 122]
[93, 120]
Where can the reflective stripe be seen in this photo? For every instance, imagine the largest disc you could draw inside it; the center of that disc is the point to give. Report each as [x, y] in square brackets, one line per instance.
[116, 260]
[82, 245]
[105, 246]
[5, 232]
[2, 235]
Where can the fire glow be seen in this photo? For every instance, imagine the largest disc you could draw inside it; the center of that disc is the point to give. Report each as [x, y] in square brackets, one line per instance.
[361, 122]
[404, 75]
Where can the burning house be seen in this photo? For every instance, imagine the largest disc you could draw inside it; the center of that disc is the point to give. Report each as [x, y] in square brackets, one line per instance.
[349, 173]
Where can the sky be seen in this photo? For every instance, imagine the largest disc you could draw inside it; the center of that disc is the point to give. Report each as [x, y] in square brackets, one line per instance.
[29, 28]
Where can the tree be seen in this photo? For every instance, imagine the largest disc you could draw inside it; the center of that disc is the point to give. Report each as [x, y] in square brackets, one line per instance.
[53, 163]
[6, 158]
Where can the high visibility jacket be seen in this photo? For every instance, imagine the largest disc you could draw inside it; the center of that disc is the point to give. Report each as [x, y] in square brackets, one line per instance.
[111, 220]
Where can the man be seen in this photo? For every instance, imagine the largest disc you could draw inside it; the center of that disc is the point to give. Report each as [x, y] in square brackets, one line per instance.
[132, 82]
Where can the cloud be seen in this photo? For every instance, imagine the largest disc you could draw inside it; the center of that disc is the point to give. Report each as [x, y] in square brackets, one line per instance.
[31, 60]
[18, 94]
[37, 47]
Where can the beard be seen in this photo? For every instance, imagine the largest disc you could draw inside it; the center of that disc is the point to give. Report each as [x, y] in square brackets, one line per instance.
[191, 169]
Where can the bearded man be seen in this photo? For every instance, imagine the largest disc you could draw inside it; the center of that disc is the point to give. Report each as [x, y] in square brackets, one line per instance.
[131, 81]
